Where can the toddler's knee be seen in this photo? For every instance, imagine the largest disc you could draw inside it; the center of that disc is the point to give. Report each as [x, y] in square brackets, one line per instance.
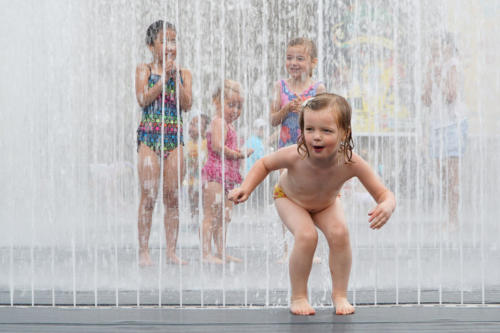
[307, 237]
[339, 236]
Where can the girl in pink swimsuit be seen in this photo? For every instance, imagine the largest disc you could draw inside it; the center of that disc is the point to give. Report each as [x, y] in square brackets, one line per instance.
[212, 171]
[221, 172]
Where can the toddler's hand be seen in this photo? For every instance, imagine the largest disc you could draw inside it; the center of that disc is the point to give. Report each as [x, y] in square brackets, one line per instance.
[379, 215]
[249, 151]
[238, 195]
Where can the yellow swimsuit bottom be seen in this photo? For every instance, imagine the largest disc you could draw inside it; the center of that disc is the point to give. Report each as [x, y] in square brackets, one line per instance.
[279, 193]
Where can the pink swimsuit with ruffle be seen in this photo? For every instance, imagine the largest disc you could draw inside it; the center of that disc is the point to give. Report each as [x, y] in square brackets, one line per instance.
[212, 171]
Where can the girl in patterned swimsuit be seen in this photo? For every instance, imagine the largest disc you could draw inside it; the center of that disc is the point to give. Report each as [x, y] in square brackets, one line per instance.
[159, 85]
[301, 58]
[221, 172]
[306, 195]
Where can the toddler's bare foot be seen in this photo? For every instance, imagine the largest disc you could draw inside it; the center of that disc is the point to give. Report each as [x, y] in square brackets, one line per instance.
[144, 258]
[231, 259]
[316, 260]
[173, 259]
[342, 306]
[211, 259]
[301, 307]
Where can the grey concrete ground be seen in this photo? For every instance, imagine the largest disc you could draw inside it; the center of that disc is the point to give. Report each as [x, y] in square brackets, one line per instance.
[103, 279]
[415, 264]
[149, 319]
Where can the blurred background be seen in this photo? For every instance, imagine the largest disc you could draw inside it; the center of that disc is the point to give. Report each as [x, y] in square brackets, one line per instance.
[69, 191]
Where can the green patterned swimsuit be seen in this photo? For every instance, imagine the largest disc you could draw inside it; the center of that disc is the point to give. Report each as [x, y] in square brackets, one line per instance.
[153, 125]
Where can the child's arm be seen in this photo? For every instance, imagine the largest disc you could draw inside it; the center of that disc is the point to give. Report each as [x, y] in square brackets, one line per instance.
[259, 171]
[279, 113]
[384, 198]
[450, 86]
[144, 94]
[426, 96]
[185, 91]
[216, 130]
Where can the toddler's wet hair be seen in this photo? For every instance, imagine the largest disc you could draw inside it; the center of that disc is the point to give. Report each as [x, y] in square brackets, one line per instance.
[230, 87]
[204, 118]
[342, 111]
[155, 28]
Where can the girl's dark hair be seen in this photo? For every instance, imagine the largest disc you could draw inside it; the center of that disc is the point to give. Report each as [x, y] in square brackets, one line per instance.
[155, 28]
[342, 111]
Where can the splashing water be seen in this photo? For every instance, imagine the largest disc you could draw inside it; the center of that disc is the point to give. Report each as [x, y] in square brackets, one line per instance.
[69, 194]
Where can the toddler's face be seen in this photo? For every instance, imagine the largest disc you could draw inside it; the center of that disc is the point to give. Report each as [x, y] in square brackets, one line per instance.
[298, 62]
[193, 128]
[170, 47]
[322, 134]
[233, 105]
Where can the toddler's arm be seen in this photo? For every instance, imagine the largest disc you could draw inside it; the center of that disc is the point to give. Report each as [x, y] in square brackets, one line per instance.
[386, 202]
[259, 171]
[255, 176]
[216, 130]
[426, 95]
[450, 86]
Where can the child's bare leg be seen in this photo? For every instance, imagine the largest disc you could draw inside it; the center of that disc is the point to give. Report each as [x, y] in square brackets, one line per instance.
[219, 232]
[220, 244]
[171, 202]
[331, 221]
[148, 167]
[211, 208]
[194, 196]
[284, 258]
[192, 199]
[453, 191]
[300, 224]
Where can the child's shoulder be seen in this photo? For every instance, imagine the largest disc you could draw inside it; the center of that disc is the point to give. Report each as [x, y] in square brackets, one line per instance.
[185, 72]
[217, 122]
[357, 163]
[143, 71]
[216, 119]
[285, 157]
[143, 67]
[319, 86]
[318, 83]
[290, 152]
[279, 83]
